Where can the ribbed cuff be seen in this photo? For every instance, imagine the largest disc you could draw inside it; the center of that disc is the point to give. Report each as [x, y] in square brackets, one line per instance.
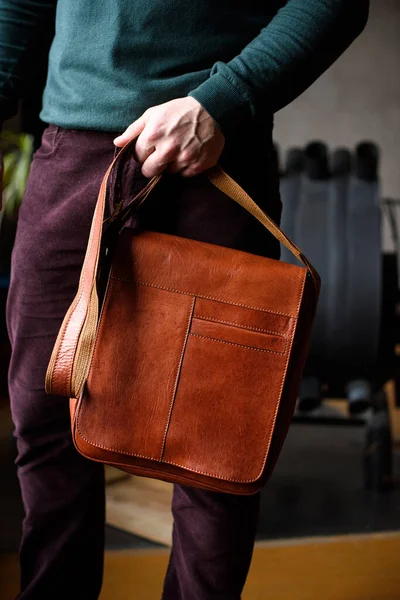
[223, 101]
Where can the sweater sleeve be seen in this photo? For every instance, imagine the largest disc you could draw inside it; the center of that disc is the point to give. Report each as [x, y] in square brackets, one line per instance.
[302, 40]
[22, 23]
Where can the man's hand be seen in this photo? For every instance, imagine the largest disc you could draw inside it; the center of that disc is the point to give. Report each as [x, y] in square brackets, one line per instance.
[178, 136]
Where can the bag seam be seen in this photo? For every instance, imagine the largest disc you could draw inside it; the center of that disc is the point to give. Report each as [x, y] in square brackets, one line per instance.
[160, 287]
[245, 346]
[177, 377]
[239, 325]
[245, 327]
[106, 302]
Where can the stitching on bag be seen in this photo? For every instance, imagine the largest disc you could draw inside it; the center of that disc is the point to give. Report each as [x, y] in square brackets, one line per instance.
[72, 308]
[212, 320]
[160, 287]
[245, 346]
[74, 304]
[239, 325]
[178, 373]
[64, 333]
[216, 476]
[106, 302]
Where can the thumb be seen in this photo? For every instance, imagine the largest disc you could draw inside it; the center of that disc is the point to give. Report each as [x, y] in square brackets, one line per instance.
[131, 132]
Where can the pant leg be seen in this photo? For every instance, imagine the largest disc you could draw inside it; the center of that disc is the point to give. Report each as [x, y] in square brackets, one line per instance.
[213, 539]
[61, 554]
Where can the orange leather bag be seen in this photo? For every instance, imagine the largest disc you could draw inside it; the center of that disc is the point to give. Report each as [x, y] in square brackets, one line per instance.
[187, 369]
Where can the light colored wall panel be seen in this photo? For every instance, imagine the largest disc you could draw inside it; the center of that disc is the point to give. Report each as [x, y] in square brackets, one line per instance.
[357, 98]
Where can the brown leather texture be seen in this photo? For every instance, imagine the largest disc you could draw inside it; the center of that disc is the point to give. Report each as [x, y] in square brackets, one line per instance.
[187, 368]
[190, 362]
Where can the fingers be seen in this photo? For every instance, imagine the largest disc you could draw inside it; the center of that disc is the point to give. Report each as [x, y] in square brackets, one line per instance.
[175, 168]
[145, 145]
[131, 132]
[156, 157]
[156, 164]
[193, 170]
[167, 157]
[153, 165]
[143, 151]
[162, 155]
[178, 136]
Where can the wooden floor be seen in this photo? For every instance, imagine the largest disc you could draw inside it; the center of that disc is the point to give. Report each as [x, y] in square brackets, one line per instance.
[141, 506]
[343, 568]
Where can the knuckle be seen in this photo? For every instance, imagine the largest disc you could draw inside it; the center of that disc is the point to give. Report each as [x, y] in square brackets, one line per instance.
[191, 171]
[147, 172]
[170, 150]
[195, 166]
[187, 156]
[152, 167]
[187, 173]
[151, 137]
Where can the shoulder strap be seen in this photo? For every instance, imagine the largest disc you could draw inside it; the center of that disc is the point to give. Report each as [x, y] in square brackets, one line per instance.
[226, 184]
[70, 359]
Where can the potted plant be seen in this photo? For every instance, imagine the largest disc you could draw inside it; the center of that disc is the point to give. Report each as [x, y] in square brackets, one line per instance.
[16, 150]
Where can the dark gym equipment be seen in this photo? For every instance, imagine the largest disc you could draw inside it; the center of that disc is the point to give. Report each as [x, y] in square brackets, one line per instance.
[332, 209]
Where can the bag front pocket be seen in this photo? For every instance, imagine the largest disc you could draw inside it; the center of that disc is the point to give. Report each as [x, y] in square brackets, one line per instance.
[136, 361]
[237, 335]
[231, 381]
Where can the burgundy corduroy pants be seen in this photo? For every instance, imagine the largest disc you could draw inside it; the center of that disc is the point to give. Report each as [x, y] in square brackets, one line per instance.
[61, 552]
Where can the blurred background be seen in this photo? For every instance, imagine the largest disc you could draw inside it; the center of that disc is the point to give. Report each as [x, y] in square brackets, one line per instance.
[330, 518]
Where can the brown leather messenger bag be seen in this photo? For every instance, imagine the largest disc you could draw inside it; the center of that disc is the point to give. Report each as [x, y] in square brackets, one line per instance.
[185, 364]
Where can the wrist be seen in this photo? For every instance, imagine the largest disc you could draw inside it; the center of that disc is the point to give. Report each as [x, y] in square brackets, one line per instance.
[223, 102]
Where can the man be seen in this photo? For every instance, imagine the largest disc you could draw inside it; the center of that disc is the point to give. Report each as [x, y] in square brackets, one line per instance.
[197, 82]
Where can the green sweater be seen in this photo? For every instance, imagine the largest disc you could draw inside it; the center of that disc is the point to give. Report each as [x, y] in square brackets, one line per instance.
[110, 60]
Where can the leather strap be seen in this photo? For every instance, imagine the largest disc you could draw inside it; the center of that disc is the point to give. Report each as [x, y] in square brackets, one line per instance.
[71, 356]
[226, 184]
